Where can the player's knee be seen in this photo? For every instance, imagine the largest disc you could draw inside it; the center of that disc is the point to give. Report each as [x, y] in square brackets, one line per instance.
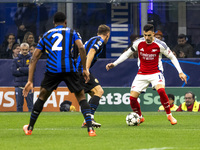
[98, 91]
[101, 92]
[80, 95]
[44, 94]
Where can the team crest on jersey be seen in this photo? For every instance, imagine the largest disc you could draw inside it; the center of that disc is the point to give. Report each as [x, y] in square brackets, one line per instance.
[142, 49]
[100, 43]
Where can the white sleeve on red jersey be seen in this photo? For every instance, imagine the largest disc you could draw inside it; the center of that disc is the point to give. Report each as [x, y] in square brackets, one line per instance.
[123, 57]
[164, 49]
[136, 43]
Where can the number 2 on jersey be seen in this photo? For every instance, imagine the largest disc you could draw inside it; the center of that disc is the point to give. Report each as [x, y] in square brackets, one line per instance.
[55, 46]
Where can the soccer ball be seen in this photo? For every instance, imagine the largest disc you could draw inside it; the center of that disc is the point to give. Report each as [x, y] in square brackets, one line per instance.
[132, 119]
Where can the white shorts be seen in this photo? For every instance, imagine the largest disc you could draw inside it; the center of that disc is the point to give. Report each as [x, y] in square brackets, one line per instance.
[141, 82]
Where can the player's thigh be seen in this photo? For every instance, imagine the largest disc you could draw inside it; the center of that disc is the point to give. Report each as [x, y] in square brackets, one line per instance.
[92, 85]
[157, 81]
[140, 83]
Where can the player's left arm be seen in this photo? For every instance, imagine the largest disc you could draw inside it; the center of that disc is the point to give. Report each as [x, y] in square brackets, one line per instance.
[90, 57]
[29, 85]
[168, 53]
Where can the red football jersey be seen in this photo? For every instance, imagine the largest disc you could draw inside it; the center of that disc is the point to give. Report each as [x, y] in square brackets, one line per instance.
[150, 55]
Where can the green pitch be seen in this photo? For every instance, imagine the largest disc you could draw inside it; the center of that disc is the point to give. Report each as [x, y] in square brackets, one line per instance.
[62, 131]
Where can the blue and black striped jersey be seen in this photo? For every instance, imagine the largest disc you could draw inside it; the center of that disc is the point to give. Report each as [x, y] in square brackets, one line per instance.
[96, 43]
[58, 43]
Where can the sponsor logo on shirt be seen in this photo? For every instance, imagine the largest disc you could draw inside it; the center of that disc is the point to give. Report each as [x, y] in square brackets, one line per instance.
[147, 56]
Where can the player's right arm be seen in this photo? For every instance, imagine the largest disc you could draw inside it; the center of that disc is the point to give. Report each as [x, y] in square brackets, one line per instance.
[122, 58]
[29, 85]
[90, 57]
[83, 59]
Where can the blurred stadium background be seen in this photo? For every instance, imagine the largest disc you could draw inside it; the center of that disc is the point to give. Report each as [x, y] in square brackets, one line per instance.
[125, 17]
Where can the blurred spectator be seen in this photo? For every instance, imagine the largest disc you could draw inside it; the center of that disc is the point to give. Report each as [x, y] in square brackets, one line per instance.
[16, 51]
[20, 33]
[133, 38]
[183, 49]
[159, 35]
[32, 48]
[20, 69]
[190, 103]
[29, 38]
[25, 18]
[7, 46]
[173, 107]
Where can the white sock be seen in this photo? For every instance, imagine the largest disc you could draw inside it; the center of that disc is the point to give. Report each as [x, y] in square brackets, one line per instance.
[169, 114]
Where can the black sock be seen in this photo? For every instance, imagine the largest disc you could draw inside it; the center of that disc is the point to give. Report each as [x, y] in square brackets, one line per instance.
[86, 111]
[94, 103]
[37, 108]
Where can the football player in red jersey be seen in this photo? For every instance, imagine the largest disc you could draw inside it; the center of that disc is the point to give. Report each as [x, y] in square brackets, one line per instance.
[150, 50]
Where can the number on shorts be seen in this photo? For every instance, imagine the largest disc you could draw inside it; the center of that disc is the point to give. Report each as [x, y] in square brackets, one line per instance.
[160, 76]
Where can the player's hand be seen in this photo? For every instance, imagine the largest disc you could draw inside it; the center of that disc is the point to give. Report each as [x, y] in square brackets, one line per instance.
[109, 66]
[86, 75]
[27, 88]
[183, 77]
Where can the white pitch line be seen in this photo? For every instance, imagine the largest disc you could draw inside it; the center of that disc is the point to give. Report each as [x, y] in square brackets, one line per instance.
[76, 129]
[161, 148]
[42, 129]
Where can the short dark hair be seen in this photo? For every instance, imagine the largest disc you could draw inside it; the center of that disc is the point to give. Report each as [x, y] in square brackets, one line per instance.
[170, 96]
[148, 27]
[103, 29]
[15, 46]
[193, 96]
[10, 35]
[59, 17]
[181, 36]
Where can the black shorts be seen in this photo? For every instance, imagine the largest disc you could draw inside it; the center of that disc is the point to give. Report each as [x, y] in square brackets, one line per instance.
[71, 79]
[90, 85]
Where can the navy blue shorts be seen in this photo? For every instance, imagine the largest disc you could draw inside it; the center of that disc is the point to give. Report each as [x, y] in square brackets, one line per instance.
[71, 79]
[93, 82]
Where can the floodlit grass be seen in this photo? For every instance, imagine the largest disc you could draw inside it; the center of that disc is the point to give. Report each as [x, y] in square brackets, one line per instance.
[62, 131]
